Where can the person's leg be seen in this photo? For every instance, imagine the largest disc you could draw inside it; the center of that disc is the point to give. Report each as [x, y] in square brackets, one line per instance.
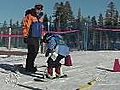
[30, 58]
[33, 48]
[35, 52]
[50, 67]
[58, 68]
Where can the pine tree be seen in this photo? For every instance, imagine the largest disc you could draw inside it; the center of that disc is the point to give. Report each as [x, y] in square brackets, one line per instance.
[100, 21]
[11, 22]
[45, 22]
[93, 21]
[79, 19]
[63, 15]
[111, 16]
[68, 15]
[56, 15]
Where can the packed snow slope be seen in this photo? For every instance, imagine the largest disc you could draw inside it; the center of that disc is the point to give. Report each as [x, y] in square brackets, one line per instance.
[86, 67]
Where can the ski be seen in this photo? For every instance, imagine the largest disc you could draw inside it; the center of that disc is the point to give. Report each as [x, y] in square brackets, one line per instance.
[45, 79]
[101, 68]
[89, 85]
[19, 68]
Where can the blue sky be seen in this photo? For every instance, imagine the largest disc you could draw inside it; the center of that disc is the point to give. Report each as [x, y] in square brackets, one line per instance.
[14, 9]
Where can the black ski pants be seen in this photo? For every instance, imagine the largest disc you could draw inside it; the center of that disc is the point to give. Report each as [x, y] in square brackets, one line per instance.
[56, 63]
[33, 48]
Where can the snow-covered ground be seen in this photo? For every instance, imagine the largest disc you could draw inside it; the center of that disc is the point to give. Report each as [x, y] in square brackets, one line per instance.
[84, 69]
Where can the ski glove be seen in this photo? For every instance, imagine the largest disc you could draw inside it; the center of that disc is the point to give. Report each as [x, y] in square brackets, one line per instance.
[41, 41]
[41, 14]
[47, 52]
[25, 40]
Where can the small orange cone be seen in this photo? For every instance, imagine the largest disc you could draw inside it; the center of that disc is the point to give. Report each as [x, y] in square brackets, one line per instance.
[116, 67]
[68, 61]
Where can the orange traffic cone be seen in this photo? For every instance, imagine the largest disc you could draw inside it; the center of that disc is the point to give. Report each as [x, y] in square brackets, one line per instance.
[68, 61]
[116, 67]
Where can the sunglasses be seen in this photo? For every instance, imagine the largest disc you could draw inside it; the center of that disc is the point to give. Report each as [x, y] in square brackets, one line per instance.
[39, 8]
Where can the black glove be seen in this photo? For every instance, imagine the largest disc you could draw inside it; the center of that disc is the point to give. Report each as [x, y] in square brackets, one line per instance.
[25, 40]
[41, 41]
[41, 14]
[47, 52]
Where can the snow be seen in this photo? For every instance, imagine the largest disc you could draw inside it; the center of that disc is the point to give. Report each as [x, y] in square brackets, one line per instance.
[12, 49]
[84, 69]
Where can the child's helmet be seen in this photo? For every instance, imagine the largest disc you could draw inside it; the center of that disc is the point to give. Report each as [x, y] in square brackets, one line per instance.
[46, 36]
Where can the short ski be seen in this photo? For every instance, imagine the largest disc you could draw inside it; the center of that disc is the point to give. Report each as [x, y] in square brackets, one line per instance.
[89, 85]
[101, 68]
[45, 79]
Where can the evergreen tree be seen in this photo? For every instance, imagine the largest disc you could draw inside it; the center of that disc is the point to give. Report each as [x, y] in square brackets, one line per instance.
[119, 21]
[45, 22]
[5, 27]
[78, 23]
[17, 23]
[11, 23]
[79, 14]
[56, 15]
[55, 7]
[100, 21]
[63, 15]
[111, 16]
[68, 14]
[93, 21]
[5, 24]
[116, 18]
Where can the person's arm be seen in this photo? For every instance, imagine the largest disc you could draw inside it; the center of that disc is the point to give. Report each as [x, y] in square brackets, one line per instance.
[26, 25]
[50, 46]
[41, 19]
[41, 16]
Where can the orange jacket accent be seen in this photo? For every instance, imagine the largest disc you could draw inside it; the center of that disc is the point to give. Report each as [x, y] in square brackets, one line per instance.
[27, 21]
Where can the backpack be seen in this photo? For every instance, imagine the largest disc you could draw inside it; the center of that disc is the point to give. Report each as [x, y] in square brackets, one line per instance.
[59, 39]
[36, 29]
